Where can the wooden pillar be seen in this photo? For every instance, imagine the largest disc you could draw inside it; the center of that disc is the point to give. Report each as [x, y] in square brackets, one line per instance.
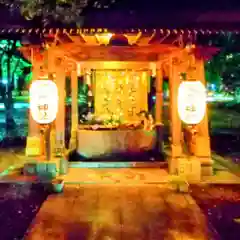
[159, 95]
[203, 149]
[34, 145]
[33, 128]
[74, 112]
[175, 122]
[159, 108]
[60, 120]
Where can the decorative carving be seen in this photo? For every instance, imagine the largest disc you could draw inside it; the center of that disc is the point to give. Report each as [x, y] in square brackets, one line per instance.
[58, 61]
[176, 61]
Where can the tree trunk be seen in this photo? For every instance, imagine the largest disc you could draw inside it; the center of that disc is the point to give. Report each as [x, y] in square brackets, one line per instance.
[8, 102]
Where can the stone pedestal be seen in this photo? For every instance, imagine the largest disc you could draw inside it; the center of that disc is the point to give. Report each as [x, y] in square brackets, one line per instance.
[172, 165]
[190, 169]
[176, 153]
[206, 166]
[203, 153]
[34, 146]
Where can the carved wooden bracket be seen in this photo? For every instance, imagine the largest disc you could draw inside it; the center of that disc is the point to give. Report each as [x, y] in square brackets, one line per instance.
[58, 61]
[176, 61]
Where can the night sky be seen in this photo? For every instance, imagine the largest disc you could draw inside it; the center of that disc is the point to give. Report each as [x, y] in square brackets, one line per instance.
[144, 13]
[185, 4]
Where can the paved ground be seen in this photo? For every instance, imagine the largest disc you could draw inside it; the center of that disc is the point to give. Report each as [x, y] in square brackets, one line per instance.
[10, 157]
[138, 176]
[124, 208]
[126, 175]
[117, 175]
[119, 212]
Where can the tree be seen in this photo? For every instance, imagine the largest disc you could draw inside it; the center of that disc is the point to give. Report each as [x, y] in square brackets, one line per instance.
[66, 11]
[224, 67]
[12, 66]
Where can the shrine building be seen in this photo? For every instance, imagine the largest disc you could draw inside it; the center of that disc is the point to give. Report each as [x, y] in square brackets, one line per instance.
[118, 67]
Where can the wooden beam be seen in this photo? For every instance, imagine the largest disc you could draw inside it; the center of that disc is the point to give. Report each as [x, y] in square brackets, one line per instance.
[70, 37]
[114, 53]
[77, 39]
[143, 40]
[133, 38]
[90, 39]
[114, 65]
[152, 36]
[165, 37]
[103, 38]
[79, 52]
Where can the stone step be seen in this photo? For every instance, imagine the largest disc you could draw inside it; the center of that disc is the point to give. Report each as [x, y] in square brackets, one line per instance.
[122, 164]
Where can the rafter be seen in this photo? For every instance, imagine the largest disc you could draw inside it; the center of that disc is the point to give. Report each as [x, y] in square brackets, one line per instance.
[152, 36]
[90, 39]
[103, 38]
[133, 37]
[144, 39]
[165, 37]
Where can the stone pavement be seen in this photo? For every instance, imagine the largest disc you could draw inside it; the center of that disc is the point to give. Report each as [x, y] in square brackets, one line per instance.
[125, 175]
[148, 212]
[139, 176]
[116, 175]
[10, 157]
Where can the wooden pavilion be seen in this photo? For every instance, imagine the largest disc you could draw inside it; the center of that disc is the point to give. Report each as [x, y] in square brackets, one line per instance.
[163, 44]
[160, 52]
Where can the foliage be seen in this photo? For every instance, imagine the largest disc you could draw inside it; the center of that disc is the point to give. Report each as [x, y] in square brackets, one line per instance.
[64, 10]
[12, 66]
[8, 52]
[67, 11]
[224, 67]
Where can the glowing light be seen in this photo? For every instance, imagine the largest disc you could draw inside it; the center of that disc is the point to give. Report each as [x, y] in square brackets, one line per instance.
[43, 101]
[4, 81]
[79, 70]
[219, 98]
[153, 67]
[104, 38]
[191, 102]
[122, 95]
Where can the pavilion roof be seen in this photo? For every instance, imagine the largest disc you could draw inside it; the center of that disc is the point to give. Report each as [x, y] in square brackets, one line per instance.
[157, 24]
[139, 14]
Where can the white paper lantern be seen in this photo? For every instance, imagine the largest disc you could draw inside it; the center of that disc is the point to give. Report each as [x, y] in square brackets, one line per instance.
[43, 101]
[191, 102]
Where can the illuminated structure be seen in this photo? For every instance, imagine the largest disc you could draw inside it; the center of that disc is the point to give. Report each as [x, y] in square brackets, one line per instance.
[192, 98]
[43, 101]
[117, 67]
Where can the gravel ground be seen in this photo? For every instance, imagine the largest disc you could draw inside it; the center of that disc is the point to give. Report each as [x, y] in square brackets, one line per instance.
[19, 204]
[221, 205]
